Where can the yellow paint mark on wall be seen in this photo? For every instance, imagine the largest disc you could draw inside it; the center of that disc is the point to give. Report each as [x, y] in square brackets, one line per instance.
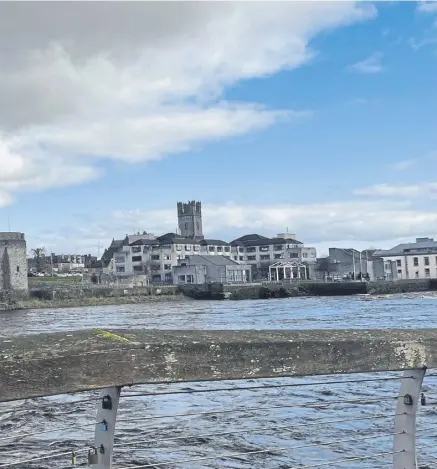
[111, 335]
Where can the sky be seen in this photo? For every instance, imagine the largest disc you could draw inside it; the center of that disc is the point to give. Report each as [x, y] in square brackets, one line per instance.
[316, 117]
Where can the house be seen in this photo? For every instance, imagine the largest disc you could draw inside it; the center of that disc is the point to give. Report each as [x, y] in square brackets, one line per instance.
[260, 252]
[199, 269]
[347, 263]
[413, 260]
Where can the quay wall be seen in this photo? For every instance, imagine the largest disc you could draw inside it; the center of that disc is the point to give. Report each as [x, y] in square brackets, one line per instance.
[64, 295]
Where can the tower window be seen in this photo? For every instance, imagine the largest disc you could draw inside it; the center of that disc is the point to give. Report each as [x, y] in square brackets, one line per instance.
[18, 268]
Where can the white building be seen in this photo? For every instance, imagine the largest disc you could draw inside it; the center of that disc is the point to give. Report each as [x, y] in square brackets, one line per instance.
[413, 260]
[155, 258]
[260, 252]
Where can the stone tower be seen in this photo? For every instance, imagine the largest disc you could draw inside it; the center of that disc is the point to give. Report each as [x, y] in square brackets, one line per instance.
[13, 263]
[190, 219]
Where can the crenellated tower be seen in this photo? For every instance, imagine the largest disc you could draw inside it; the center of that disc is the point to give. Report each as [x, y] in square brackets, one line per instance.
[190, 219]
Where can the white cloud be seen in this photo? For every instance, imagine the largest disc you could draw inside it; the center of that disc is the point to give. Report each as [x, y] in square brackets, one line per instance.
[139, 80]
[402, 165]
[428, 189]
[353, 223]
[370, 65]
[427, 7]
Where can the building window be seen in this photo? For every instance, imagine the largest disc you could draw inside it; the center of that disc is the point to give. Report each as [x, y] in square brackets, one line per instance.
[196, 248]
[265, 257]
[138, 268]
[427, 273]
[235, 258]
[181, 278]
[415, 261]
[399, 271]
[251, 258]
[242, 250]
[187, 247]
[120, 269]
[156, 278]
[166, 246]
[211, 248]
[416, 274]
[279, 256]
[252, 249]
[167, 266]
[278, 247]
[186, 226]
[178, 247]
[137, 258]
[264, 248]
[190, 279]
[426, 260]
[304, 254]
[168, 277]
[241, 258]
[119, 260]
[18, 268]
[227, 249]
[167, 257]
[219, 249]
[294, 255]
[136, 249]
[154, 257]
[399, 263]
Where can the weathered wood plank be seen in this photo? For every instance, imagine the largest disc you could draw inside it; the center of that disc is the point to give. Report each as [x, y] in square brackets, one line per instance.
[49, 364]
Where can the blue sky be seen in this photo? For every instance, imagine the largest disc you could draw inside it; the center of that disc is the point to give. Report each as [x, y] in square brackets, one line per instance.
[321, 119]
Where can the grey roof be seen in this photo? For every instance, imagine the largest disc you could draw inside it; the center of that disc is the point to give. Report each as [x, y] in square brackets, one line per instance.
[144, 242]
[421, 246]
[213, 242]
[258, 240]
[174, 238]
[115, 245]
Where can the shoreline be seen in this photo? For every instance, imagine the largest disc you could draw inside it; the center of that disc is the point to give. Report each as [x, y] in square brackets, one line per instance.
[84, 302]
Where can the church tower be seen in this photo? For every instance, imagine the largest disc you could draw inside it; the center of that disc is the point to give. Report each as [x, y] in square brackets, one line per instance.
[190, 219]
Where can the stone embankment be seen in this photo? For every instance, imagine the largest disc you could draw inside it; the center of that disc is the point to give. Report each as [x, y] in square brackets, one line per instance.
[64, 296]
[287, 290]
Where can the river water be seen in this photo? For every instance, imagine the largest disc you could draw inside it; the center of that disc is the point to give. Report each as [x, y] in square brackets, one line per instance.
[305, 433]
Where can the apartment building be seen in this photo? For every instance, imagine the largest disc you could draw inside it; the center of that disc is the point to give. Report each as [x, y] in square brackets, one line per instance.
[413, 260]
[260, 252]
[155, 258]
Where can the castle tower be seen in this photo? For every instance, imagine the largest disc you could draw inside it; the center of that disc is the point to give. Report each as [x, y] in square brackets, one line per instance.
[13, 262]
[190, 219]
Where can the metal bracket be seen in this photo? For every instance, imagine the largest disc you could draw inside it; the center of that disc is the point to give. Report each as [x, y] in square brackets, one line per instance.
[105, 426]
[404, 443]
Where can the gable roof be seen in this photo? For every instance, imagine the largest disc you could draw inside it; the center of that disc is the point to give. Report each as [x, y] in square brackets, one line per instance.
[421, 246]
[258, 240]
[213, 242]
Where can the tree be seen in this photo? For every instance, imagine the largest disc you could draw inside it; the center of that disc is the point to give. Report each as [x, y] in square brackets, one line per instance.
[39, 254]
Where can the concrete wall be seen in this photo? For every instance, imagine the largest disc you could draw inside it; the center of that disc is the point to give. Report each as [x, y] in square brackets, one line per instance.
[13, 262]
[92, 359]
